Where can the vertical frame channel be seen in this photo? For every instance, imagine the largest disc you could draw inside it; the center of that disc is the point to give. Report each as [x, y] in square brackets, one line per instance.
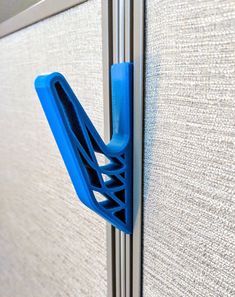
[123, 35]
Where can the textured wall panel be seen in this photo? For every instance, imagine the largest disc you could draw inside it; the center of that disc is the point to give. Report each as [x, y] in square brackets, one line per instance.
[50, 245]
[189, 204]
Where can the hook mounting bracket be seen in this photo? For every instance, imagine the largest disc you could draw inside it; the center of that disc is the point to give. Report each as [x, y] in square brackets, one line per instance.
[79, 141]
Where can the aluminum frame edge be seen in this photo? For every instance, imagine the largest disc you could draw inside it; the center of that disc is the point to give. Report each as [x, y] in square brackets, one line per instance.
[34, 14]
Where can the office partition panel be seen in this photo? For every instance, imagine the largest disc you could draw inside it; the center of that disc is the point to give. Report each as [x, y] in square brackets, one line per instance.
[50, 244]
[189, 149]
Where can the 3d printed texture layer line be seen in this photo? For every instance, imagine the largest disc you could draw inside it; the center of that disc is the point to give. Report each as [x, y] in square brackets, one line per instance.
[78, 141]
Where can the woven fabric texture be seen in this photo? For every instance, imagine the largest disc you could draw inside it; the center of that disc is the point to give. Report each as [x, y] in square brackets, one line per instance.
[189, 176]
[50, 244]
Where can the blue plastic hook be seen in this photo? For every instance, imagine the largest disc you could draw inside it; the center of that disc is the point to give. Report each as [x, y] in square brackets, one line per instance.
[78, 141]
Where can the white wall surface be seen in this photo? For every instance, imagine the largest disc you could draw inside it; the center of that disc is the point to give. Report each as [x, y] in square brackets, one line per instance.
[189, 180]
[50, 244]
